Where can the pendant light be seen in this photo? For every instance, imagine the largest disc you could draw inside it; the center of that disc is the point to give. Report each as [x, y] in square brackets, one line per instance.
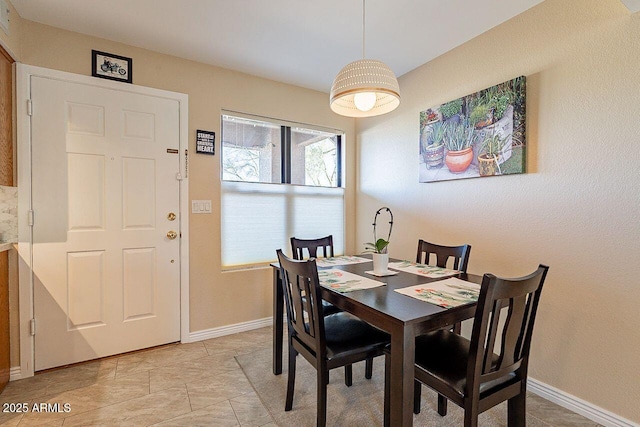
[364, 88]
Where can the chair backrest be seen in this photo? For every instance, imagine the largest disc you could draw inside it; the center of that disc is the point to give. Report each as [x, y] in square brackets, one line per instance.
[460, 255]
[303, 301]
[298, 247]
[519, 298]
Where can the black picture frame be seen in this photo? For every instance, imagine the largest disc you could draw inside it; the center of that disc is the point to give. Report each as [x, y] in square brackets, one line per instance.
[205, 142]
[112, 67]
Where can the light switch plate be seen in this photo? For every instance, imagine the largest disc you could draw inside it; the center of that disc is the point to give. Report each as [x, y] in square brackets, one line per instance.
[201, 206]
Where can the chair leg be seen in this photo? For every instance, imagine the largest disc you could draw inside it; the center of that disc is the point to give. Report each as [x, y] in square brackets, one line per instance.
[417, 393]
[322, 397]
[471, 414]
[457, 328]
[387, 390]
[291, 380]
[348, 375]
[368, 368]
[517, 409]
[442, 405]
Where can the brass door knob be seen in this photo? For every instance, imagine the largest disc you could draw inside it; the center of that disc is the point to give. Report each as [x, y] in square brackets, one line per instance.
[172, 234]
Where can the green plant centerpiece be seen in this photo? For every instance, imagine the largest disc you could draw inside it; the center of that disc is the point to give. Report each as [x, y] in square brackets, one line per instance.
[433, 145]
[380, 247]
[490, 152]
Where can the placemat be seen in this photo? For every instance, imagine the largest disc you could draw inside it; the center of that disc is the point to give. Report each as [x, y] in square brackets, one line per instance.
[343, 281]
[425, 270]
[450, 292]
[340, 260]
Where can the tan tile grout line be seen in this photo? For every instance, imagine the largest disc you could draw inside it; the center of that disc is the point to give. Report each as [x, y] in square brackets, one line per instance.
[255, 391]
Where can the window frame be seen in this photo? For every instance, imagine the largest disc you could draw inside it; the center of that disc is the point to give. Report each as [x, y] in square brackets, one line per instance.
[285, 146]
[232, 258]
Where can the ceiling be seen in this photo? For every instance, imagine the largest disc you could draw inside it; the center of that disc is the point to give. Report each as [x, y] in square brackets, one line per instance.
[300, 42]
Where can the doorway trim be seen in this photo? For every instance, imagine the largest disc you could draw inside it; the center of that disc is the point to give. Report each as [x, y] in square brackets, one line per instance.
[25, 231]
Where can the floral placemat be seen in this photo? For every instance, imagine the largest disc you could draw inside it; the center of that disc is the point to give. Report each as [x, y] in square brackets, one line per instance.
[450, 292]
[425, 270]
[340, 260]
[343, 281]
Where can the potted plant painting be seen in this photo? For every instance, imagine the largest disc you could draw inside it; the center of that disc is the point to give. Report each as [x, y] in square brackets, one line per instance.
[481, 116]
[433, 147]
[459, 139]
[490, 152]
[451, 108]
[484, 134]
[379, 247]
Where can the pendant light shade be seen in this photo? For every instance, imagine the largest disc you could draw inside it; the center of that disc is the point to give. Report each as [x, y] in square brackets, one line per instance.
[364, 88]
[364, 79]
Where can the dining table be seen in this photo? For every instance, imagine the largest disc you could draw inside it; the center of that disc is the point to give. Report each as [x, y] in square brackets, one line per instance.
[402, 316]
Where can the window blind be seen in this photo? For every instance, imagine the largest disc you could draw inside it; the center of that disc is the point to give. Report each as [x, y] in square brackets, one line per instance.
[258, 218]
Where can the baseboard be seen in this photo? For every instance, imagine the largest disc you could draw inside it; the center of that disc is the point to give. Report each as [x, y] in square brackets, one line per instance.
[230, 329]
[15, 373]
[577, 405]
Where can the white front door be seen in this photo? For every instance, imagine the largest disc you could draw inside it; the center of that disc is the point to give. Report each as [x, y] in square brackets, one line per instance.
[106, 199]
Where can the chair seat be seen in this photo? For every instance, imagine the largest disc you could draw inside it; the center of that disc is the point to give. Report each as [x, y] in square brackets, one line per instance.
[443, 355]
[346, 334]
[328, 308]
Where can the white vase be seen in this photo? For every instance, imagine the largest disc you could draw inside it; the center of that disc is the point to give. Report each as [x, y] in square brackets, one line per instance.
[380, 263]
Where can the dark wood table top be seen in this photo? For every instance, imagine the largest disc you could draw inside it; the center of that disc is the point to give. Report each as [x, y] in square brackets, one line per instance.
[392, 304]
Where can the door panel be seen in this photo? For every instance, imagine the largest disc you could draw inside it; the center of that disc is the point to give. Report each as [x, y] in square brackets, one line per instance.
[139, 193]
[106, 277]
[85, 289]
[86, 191]
[139, 280]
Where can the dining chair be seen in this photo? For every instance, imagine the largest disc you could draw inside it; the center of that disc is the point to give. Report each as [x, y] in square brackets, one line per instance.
[460, 255]
[307, 248]
[442, 254]
[327, 342]
[312, 247]
[469, 372]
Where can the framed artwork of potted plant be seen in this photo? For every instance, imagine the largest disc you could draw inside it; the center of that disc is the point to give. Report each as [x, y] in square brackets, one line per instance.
[478, 135]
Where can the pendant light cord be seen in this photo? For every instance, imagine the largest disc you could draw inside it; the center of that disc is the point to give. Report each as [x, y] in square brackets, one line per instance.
[363, 32]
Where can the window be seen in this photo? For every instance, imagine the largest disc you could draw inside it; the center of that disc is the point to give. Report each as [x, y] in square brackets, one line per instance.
[279, 180]
[251, 150]
[314, 158]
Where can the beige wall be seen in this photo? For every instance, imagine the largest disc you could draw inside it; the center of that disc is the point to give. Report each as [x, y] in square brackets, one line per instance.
[578, 208]
[11, 41]
[216, 298]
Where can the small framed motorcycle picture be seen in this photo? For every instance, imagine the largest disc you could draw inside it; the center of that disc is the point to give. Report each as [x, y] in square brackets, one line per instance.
[109, 66]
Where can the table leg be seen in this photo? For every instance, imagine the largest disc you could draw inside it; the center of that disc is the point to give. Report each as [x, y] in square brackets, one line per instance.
[278, 317]
[401, 381]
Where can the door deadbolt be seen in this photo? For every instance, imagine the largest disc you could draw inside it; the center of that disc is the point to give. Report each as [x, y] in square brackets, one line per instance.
[171, 216]
[172, 234]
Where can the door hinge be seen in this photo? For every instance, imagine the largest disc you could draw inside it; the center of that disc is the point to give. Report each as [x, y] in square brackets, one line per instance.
[30, 217]
[29, 107]
[32, 327]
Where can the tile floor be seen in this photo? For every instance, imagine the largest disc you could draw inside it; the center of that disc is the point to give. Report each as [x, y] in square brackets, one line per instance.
[197, 384]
